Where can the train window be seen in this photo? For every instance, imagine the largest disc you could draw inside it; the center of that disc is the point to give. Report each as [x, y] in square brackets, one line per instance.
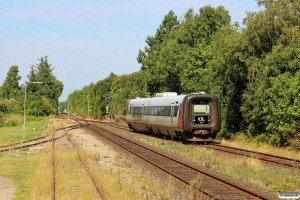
[162, 111]
[146, 110]
[175, 111]
[168, 111]
[137, 113]
[201, 106]
[150, 110]
[157, 110]
[137, 110]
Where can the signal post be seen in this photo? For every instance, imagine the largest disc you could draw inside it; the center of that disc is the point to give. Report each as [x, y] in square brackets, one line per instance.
[107, 99]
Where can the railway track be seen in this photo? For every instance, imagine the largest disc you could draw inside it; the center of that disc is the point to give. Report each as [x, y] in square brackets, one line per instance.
[76, 166]
[210, 183]
[268, 158]
[56, 164]
[264, 157]
[35, 141]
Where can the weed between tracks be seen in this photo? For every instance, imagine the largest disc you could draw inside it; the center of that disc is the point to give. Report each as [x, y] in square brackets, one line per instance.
[123, 178]
[31, 172]
[245, 143]
[120, 181]
[249, 170]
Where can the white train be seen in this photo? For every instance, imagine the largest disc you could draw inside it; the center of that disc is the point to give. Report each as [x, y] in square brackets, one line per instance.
[193, 117]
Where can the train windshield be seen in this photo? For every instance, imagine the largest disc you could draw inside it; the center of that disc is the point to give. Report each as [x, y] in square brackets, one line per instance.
[201, 106]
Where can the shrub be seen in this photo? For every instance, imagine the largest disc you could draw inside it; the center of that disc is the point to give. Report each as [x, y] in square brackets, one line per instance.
[3, 107]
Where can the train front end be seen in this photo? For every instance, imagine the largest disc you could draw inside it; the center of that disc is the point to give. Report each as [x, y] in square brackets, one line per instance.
[201, 118]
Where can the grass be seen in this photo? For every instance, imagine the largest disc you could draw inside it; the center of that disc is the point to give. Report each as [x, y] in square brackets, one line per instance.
[124, 178]
[13, 134]
[121, 181]
[242, 142]
[245, 169]
[20, 168]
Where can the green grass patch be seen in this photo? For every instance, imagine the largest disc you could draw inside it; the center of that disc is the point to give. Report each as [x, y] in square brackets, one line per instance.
[20, 168]
[24, 149]
[15, 133]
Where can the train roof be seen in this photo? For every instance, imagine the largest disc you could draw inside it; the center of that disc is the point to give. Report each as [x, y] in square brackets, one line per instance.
[161, 99]
[164, 100]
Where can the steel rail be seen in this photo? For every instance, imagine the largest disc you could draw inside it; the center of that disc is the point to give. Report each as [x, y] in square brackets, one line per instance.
[264, 157]
[53, 168]
[268, 158]
[85, 166]
[29, 144]
[181, 172]
[31, 140]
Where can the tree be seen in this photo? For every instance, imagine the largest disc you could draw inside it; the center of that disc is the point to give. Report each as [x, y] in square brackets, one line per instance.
[229, 75]
[43, 97]
[127, 87]
[10, 87]
[149, 58]
[271, 53]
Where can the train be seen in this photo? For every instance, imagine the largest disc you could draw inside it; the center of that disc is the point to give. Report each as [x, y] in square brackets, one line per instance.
[193, 117]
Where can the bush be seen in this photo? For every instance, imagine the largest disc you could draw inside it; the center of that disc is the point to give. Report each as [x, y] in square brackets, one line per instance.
[12, 120]
[3, 107]
[8, 105]
[1, 118]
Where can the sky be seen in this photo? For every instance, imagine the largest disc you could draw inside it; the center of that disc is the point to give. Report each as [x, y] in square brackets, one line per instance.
[87, 40]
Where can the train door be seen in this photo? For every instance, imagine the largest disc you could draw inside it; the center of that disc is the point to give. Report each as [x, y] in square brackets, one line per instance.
[174, 115]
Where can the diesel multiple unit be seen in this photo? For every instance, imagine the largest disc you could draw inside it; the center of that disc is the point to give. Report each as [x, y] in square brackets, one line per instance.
[193, 117]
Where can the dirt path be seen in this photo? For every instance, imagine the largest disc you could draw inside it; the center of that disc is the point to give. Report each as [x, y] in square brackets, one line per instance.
[7, 188]
[93, 144]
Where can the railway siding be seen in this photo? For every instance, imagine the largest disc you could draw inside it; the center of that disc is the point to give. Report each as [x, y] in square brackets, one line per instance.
[180, 170]
[271, 159]
[70, 166]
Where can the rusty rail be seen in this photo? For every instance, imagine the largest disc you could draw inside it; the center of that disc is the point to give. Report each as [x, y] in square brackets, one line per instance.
[86, 168]
[268, 158]
[214, 184]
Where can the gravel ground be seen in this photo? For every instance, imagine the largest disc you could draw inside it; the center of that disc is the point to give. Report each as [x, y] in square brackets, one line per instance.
[104, 150]
[7, 188]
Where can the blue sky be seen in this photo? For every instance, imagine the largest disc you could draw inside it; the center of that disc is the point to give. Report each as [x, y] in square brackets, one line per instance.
[87, 40]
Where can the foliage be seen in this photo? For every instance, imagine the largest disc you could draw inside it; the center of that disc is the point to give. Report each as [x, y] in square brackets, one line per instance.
[149, 58]
[126, 87]
[39, 99]
[282, 107]
[254, 70]
[10, 87]
[43, 97]
[272, 61]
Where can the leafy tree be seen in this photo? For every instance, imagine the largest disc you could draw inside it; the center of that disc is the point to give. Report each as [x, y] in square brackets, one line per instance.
[282, 107]
[127, 87]
[271, 51]
[92, 97]
[229, 75]
[10, 87]
[43, 98]
[149, 58]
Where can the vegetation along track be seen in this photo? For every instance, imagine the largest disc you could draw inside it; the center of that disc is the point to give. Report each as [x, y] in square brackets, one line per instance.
[70, 167]
[35, 141]
[269, 158]
[210, 183]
